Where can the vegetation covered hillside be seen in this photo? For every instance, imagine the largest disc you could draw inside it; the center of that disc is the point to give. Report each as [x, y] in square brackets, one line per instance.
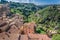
[47, 18]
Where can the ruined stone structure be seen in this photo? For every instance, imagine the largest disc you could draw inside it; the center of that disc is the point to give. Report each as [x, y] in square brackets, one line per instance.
[12, 28]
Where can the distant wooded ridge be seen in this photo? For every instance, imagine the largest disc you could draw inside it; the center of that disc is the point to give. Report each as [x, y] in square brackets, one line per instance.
[7, 1]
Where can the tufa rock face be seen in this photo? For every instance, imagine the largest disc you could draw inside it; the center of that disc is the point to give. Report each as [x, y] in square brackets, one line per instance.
[29, 28]
[9, 27]
[6, 22]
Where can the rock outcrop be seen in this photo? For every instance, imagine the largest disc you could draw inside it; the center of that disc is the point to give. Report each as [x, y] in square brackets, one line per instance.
[9, 27]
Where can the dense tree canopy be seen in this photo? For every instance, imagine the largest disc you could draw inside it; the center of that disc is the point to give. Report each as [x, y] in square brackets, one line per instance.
[56, 37]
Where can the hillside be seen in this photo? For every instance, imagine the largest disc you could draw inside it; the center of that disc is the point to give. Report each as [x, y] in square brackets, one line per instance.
[45, 18]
